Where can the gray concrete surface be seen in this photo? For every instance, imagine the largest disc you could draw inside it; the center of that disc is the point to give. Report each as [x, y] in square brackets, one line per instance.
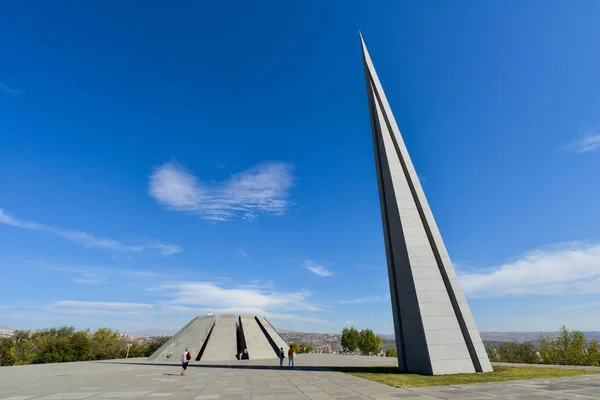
[272, 335]
[257, 343]
[257, 380]
[435, 330]
[222, 343]
[193, 335]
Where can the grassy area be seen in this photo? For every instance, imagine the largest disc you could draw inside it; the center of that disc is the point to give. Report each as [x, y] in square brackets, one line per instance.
[391, 376]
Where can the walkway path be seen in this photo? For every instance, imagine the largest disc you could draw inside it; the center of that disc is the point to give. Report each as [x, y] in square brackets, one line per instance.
[248, 380]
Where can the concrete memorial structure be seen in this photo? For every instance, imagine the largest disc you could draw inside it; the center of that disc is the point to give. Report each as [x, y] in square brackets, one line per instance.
[256, 342]
[435, 330]
[193, 335]
[224, 339]
[271, 334]
[222, 343]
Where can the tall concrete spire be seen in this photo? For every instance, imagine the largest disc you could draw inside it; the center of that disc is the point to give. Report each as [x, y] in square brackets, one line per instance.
[435, 330]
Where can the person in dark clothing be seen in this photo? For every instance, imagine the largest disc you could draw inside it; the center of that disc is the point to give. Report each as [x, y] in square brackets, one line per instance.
[281, 356]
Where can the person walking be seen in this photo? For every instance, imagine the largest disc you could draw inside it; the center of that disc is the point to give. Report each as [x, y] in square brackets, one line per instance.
[185, 360]
[281, 357]
[291, 357]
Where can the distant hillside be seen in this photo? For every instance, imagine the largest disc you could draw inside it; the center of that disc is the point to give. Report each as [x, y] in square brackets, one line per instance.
[318, 340]
[529, 336]
[489, 338]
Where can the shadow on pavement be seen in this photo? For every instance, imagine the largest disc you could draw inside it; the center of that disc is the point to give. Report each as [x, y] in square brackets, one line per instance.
[378, 370]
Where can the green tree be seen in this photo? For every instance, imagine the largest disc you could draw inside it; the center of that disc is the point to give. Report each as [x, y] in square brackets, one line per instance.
[136, 348]
[528, 353]
[391, 352]
[305, 348]
[7, 352]
[81, 345]
[153, 345]
[569, 348]
[369, 343]
[294, 346]
[106, 344]
[593, 353]
[25, 346]
[508, 351]
[350, 339]
[515, 352]
[54, 345]
[549, 352]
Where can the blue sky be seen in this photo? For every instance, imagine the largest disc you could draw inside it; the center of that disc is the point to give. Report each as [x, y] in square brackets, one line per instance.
[160, 161]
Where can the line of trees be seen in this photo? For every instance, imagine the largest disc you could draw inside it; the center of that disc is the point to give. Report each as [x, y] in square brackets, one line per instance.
[569, 348]
[366, 341]
[391, 352]
[67, 344]
[301, 348]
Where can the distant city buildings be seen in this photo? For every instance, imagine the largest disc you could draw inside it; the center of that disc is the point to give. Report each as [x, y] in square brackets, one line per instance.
[6, 333]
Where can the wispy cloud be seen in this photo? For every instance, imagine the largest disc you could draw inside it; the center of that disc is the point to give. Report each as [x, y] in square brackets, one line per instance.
[317, 269]
[89, 279]
[242, 253]
[102, 272]
[593, 304]
[362, 300]
[272, 316]
[88, 240]
[258, 284]
[261, 190]
[100, 307]
[210, 295]
[14, 93]
[564, 269]
[589, 142]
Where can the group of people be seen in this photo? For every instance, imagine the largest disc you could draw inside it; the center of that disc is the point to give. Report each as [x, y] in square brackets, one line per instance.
[187, 356]
[290, 357]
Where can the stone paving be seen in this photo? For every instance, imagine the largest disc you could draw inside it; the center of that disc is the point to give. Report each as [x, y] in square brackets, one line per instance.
[252, 380]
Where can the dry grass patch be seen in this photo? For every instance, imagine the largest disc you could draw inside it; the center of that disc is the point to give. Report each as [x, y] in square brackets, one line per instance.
[391, 376]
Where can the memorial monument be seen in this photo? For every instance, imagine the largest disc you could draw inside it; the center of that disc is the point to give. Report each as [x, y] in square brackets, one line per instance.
[435, 330]
[225, 339]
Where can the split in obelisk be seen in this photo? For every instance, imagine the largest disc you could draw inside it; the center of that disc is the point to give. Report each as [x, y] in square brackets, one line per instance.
[435, 330]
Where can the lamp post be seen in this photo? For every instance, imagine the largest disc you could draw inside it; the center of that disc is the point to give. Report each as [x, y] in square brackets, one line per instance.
[128, 346]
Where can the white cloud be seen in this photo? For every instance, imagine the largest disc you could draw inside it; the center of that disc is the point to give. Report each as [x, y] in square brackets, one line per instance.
[258, 284]
[242, 253]
[210, 296]
[263, 189]
[99, 307]
[362, 300]
[89, 279]
[88, 240]
[100, 272]
[12, 92]
[593, 304]
[244, 311]
[566, 269]
[317, 269]
[589, 142]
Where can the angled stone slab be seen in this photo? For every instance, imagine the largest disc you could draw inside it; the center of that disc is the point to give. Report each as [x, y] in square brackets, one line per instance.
[193, 336]
[222, 344]
[273, 337]
[255, 339]
[435, 330]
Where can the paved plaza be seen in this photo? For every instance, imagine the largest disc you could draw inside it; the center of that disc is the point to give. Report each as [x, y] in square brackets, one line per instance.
[257, 380]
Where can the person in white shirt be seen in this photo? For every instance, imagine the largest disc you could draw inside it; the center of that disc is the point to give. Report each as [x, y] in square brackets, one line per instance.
[185, 360]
